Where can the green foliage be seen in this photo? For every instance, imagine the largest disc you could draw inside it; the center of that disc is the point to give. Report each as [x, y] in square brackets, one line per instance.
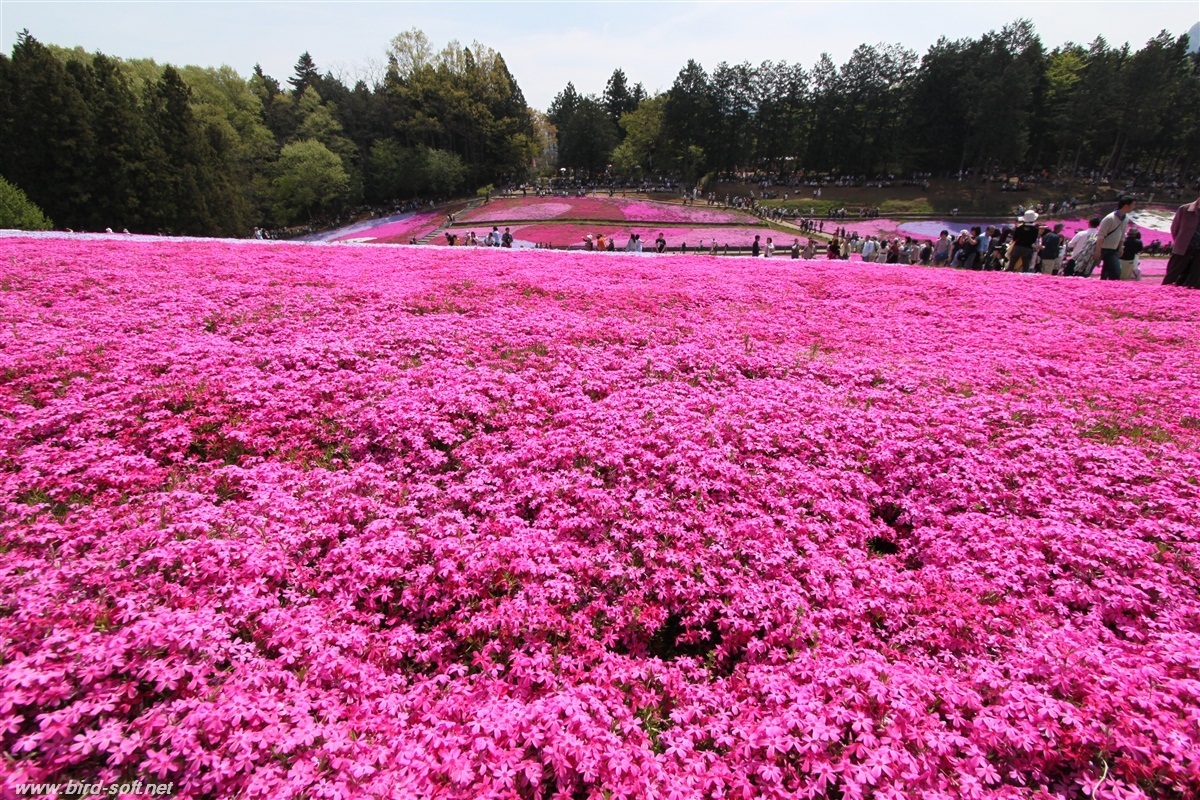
[306, 74]
[101, 142]
[619, 99]
[586, 135]
[96, 141]
[17, 213]
[402, 172]
[461, 101]
[189, 188]
[444, 172]
[309, 178]
[45, 128]
[688, 116]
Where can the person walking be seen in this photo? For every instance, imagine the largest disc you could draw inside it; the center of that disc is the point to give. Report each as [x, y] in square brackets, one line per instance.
[926, 253]
[1183, 269]
[971, 258]
[1051, 250]
[1024, 236]
[1129, 256]
[942, 248]
[983, 244]
[893, 252]
[993, 257]
[1110, 237]
[870, 247]
[1083, 250]
[833, 249]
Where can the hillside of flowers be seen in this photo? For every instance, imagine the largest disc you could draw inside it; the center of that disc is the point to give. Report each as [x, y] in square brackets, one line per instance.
[297, 521]
[571, 234]
[615, 209]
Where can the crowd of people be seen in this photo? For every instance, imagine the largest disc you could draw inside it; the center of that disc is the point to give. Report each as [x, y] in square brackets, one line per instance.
[493, 238]
[1025, 246]
[1109, 243]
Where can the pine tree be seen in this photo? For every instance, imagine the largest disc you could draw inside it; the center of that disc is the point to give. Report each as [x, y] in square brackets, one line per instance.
[117, 174]
[306, 74]
[48, 142]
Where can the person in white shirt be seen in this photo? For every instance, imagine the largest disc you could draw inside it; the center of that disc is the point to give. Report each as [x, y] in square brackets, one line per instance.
[1111, 236]
[870, 247]
[1083, 249]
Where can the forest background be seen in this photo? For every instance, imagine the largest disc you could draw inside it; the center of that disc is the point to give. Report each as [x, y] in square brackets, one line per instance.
[95, 141]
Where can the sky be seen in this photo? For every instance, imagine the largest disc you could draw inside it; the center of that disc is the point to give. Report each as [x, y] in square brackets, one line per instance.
[546, 44]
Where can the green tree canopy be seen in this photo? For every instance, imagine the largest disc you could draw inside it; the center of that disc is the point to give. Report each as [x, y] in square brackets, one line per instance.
[309, 179]
[17, 213]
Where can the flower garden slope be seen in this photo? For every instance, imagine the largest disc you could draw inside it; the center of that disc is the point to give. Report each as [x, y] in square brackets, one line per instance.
[571, 234]
[292, 521]
[614, 209]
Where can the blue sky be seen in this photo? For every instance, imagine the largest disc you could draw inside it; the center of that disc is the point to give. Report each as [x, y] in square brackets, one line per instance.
[548, 43]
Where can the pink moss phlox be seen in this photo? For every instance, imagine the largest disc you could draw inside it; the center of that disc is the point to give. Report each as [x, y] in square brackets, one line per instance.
[288, 521]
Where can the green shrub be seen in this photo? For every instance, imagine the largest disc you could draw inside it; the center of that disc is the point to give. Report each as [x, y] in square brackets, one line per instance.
[919, 205]
[17, 212]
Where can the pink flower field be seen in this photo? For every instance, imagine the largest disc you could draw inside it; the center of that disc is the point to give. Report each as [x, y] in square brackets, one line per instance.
[398, 232]
[615, 209]
[291, 521]
[570, 234]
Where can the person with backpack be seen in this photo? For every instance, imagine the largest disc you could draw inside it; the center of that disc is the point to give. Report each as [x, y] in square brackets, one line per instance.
[1083, 251]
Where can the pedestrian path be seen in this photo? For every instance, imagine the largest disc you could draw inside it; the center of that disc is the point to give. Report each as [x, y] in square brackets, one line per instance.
[449, 222]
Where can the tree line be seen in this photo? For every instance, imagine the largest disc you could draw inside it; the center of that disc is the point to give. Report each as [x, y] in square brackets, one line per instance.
[95, 141]
[999, 101]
